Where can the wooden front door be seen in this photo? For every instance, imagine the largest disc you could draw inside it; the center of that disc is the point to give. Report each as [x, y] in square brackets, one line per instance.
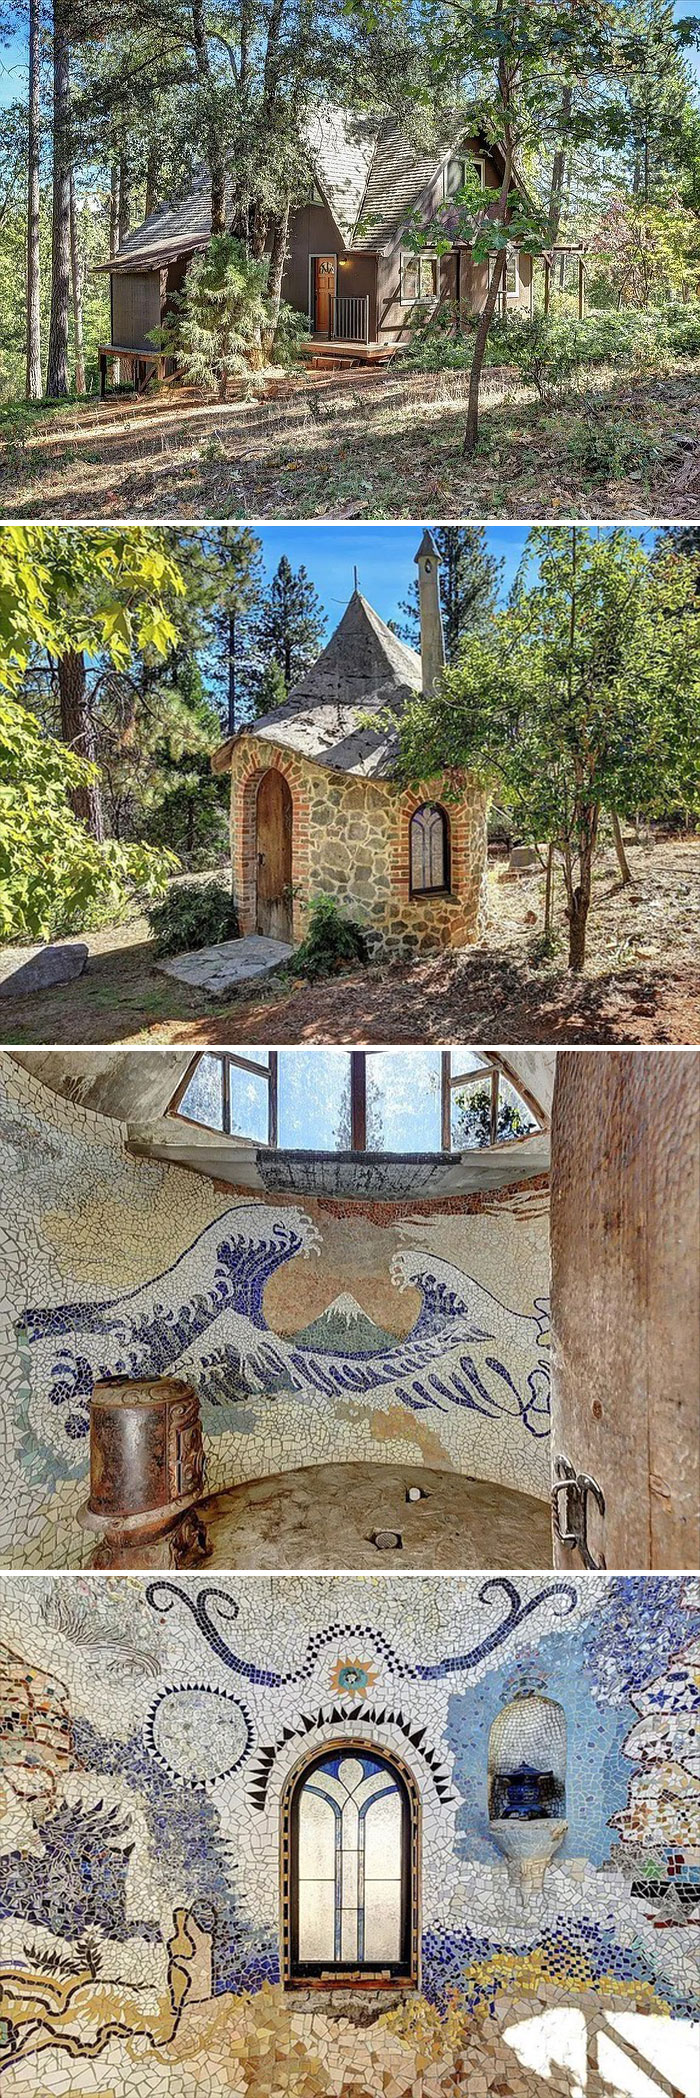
[625, 1227]
[273, 813]
[323, 267]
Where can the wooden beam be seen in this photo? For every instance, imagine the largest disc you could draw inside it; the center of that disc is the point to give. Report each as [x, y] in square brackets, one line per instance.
[358, 1100]
[547, 275]
[446, 1100]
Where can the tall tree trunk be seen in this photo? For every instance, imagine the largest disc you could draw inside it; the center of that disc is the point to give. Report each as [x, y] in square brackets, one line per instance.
[57, 375]
[124, 219]
[78, 732]
[152, 177]
[549, 893]
[482, 333]
[33, 378]
[232, 673]
[556, 191]
[480, 340]
[214, 154]
[113, 209]
[580, 894]
[77, 286]
[278, 253]
[622, 860]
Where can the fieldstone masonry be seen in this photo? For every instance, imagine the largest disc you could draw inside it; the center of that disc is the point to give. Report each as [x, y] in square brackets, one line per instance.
[350, 840]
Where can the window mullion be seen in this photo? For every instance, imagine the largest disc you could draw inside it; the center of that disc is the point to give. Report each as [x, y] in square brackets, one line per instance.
[273, 1100]
[358, 1100]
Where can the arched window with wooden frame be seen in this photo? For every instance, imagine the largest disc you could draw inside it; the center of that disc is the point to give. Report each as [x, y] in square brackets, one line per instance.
[350, 1839]
[429, 850]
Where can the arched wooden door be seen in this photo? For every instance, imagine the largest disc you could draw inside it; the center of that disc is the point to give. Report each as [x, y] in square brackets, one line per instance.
[273, 840]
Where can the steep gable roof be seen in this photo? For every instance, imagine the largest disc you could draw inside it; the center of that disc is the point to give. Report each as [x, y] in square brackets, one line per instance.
[371, 175]
[363, 670]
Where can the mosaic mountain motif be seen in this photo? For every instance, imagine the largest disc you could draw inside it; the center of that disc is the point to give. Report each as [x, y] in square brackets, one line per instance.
[345, 1328]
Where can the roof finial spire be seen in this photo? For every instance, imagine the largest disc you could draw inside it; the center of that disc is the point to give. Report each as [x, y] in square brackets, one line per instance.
[357, 579]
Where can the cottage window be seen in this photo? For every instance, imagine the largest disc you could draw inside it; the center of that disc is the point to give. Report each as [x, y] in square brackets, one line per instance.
[348, 1847]
[457, 170]
[512, 276]
[419, 278]
[356, 1100]
[430, 850]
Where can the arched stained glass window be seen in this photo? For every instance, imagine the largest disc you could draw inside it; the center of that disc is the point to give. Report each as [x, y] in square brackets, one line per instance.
[429, 850]
[351, 1867]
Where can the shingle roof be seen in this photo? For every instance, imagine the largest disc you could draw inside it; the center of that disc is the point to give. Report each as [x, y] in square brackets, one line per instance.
[363, 670]
[174, 229]
[371, 175]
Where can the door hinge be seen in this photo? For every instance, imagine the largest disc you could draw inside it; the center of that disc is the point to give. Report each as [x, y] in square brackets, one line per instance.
[571, 1527]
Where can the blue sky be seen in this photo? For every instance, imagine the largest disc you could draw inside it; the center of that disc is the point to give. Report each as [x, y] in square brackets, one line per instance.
[383, 554]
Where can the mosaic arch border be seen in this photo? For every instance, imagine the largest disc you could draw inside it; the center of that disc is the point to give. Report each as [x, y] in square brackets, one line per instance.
[290, 1787]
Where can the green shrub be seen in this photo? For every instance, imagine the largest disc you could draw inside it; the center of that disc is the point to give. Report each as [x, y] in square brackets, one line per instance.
[684, 336]
[607, 448]
[333, 942]
[193, 914]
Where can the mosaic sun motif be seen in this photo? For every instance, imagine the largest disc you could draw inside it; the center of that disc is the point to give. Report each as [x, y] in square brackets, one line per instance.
[355, 1678]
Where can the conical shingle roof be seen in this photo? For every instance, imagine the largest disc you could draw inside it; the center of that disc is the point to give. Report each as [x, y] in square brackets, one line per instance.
[364, 669]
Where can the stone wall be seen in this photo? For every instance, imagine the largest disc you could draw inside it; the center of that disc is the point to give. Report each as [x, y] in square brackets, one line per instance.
[193, 1704]
[350, 840]
[313, 1331]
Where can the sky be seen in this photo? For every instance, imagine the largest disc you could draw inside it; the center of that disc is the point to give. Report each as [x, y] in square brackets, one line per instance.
[383, 554]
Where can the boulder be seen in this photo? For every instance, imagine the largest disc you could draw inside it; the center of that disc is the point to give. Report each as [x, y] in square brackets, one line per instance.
[24, 970]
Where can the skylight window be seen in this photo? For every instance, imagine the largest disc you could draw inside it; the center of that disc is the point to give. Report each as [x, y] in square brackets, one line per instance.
[341, 1100]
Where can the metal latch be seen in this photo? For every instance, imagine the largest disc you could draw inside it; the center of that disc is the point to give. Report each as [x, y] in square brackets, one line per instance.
[572, 1529]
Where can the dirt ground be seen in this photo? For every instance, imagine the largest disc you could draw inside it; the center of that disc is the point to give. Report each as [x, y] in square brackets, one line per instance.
[374, 443]
[642, 982]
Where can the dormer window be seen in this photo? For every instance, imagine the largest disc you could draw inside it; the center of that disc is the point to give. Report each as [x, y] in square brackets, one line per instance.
[457, 171]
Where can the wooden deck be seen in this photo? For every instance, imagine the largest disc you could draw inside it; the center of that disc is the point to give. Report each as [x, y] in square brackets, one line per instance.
[325, 352]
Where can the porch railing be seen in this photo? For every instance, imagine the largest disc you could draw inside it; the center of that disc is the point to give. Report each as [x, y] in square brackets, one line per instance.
[350, 319]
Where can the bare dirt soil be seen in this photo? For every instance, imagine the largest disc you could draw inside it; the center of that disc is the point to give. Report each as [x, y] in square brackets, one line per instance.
[642, 982]
[372, 443]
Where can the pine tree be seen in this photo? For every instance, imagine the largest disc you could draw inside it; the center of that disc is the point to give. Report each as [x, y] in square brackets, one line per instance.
[289, 627]
[469, 582]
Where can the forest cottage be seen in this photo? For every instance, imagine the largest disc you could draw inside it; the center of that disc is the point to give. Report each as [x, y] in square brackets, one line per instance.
[317, 807]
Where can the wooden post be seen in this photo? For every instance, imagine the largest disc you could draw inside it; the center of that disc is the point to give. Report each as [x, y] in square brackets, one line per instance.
[547, 275]
[625, 1220]
[103, 374]
[358, 1100]
[581, 287]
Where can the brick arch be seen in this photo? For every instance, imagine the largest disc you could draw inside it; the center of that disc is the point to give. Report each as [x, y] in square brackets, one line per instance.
[245, 786]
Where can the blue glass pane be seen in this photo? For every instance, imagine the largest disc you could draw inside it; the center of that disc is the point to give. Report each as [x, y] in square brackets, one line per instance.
[203, 1100]
[314, 1100]
[404, 1106]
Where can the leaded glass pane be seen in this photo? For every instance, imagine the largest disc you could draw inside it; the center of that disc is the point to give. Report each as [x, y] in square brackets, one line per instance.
[427, 839]
[350, 1863]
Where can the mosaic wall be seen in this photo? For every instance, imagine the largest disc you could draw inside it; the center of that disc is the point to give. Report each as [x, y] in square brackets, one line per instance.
[148, 1732]
[313, 1332]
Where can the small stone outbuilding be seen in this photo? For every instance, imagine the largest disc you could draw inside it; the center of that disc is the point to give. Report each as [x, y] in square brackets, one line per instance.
[317, 806]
